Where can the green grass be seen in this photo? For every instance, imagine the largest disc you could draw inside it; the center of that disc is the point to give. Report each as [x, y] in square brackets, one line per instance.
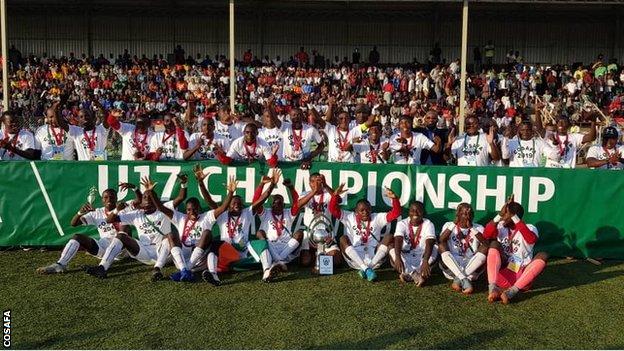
[573, 305]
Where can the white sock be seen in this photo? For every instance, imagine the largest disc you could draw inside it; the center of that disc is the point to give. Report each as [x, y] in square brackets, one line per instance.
[197, 254]
[69, 251]
[178, 258]
[163, 255]
[451, 264]
[112, 251]
[355, 257]
[475, 263]
[382, 250]
[392, 254]
[265, 259]
[292, 245]
[212, 262]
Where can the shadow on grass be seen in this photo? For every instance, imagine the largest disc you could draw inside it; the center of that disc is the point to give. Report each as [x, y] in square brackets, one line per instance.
[55, 341]
[475, 340]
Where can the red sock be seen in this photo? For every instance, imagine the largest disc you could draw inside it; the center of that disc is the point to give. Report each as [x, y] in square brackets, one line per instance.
[530, 273]
[493, 265]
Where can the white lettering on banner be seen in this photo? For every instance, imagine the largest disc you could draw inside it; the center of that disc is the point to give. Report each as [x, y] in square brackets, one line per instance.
[355, 188]
[482, 191]
[280, 189]
[248, 184]
[302, 180]
[424, 184]
[517, 189]
[328, 177]
[143, 171]
[535, 197]
[371, 189]
[171, 181]
[208, 171]
[455, 187]
[406, 187]
[103, 180]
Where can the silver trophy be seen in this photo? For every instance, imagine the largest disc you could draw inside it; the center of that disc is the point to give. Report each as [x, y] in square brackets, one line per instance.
[320, 229]
[93, 193]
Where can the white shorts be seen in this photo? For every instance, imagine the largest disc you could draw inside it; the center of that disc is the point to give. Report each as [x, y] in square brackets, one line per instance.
[412, 260]
[103, 244]
[366, 253]
[279, 245]
[462, 262]
[148, 253]
[187, 251]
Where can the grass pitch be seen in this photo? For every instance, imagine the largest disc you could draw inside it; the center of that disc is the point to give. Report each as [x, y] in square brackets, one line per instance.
[574, 304]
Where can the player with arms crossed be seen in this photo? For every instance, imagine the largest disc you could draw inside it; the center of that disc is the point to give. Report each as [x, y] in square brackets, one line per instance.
[511, 247]
[361, 243]
[462, 249]
[414, 246]
[96, 217]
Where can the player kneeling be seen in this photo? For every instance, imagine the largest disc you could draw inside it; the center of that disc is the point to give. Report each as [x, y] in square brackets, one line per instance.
[414, 246]
[462, 249]
[361, 245]
[512, 246]
[90, 216]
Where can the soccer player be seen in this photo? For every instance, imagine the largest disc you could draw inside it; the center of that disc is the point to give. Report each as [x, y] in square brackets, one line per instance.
[196, 230]
[297, 141]
[316, 203]
[511, 264]
[89, 139]
[170, 144]
[463, 249]
[340, 139]
[155, 241]
[87, 215]
[413, 251]
[526, 150]
[361, 243]
[272, 130]
[225, 125]
[474, 148]
[16, 143]
[134, 138]
[248, 148]
[407, 145]
[52, 138]
[373, 149]
[203, 144]
[609, 154]
[276, 225]
[234, 226]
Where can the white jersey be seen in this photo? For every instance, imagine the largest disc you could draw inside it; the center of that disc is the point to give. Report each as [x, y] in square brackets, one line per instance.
[363, 233]
[277, 228]
[171, 149]
[98, 219]
[527, 153]
[131, 141]
[567, 148]
[338, 139]
[54, 143]
[515, 248]
[189, 231]
[416, 143]
[230, 132]
[472, 150]
[296, 143]
[90, 144]
[151, 228]
[207, 149]
[240, 151]
[274, 136]
[600, 153]
[319, 204]
[23, 140]
[233, 230]
[369, 153]
[462, 242]
[414, 237]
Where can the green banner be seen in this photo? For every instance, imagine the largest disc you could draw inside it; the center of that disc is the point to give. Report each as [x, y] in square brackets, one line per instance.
[576, 211]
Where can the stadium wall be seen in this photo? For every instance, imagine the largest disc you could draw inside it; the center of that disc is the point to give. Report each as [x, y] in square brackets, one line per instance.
[401, 36]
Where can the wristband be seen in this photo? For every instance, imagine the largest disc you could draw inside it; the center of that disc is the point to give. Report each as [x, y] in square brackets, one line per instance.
[474, 232]
[183, 185]
[79, 213]
[496, 219]
[515, 219]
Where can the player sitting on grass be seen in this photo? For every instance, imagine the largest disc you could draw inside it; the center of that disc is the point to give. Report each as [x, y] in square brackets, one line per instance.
[413, 251]
[462, 249]
[153, 227]
[361, 245]
[96, 217]
[512, 246]
[276, 224]
[194, 226]
[234, 226]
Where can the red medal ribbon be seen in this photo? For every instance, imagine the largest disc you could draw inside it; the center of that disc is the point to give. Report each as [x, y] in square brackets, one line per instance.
[414, 239]
[342, 141]
[466, 239]
[563, 147]
[297, 139]
[374, 153]
[90, 140]
[188, 225]
[232, 228]
[368, 229]
[166, 137]
[139, 145]
[251, 155]
[317, 207]
[279, 223]
[58, 137]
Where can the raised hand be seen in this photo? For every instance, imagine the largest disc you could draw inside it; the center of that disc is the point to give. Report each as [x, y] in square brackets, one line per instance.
[491, 135]
[126, 186]
[87, 208]
[199, 173]
[183, 178]
[340, 190]
[452, 137]
[390, 194]
[232, 185]
[265, 180]
[148, 184]
[274, 149]
[277, 173]
[116, 112]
